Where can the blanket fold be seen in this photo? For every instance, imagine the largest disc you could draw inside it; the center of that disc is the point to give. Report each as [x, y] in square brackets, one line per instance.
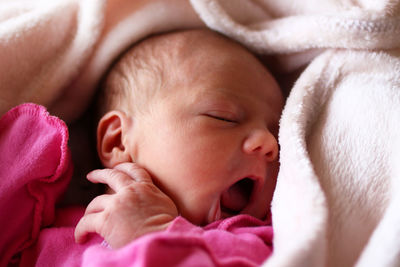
[335, 119]
[353, 28]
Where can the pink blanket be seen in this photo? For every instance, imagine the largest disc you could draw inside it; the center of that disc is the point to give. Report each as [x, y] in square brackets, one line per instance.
[35, 169]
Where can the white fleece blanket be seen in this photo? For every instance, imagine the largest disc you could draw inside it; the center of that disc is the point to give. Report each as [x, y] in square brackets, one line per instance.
[337, 200]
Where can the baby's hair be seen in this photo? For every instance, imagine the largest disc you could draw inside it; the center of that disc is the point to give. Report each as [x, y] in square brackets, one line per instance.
[133, 79]
[148, 67]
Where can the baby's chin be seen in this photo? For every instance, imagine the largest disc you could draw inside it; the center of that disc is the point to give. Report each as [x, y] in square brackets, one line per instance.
[214, 212]
[217, 214]
[242, 197]
[227, 214]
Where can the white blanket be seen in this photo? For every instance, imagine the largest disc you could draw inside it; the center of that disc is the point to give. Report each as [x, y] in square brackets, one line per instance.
[337, 201]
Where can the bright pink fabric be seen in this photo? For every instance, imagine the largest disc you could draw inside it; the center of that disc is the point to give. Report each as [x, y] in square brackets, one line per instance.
[237, 241]
[35, 168]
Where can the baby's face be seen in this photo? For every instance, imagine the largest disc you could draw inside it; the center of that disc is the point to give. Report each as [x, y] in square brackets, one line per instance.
[210, 143]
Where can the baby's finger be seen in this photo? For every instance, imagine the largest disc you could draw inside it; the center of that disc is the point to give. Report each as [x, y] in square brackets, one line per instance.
[98, 204]
[114, 178]
[135, 171]
[87, 225]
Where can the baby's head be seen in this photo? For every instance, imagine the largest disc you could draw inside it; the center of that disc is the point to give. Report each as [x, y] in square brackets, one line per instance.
[200, 113]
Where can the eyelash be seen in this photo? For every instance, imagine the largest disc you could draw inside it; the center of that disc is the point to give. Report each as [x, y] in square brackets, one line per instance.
[221, 118]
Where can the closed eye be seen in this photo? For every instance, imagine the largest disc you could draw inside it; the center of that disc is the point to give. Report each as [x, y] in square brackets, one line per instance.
[221, 118]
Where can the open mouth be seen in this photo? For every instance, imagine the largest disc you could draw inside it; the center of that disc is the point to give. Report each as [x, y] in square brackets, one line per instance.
[237, 197]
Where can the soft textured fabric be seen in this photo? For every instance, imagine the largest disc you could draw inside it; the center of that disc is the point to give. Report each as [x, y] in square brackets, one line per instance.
[337, 193]
[54, 52]
[35, 169]
[238, 241]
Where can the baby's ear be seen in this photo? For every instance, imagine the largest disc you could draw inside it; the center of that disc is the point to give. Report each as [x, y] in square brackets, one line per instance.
[110, 146]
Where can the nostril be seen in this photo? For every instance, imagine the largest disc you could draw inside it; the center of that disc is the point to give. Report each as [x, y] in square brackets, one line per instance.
[272, 154]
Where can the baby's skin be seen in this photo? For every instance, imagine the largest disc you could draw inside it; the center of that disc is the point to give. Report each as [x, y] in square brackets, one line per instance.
[206, 148]
[135, 205]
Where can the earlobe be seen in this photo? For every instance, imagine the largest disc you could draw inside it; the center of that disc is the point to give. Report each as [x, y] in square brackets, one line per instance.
[110, 145]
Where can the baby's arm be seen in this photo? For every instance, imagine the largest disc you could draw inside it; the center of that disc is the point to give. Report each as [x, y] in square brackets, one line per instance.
[135, 208]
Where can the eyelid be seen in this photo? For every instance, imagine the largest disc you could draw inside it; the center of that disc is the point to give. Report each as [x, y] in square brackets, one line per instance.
[223, 116]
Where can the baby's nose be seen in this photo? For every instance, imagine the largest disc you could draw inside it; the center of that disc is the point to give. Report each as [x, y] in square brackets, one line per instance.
[262, 142]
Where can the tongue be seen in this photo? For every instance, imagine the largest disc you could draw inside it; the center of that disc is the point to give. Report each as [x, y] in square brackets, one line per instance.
[237, 196]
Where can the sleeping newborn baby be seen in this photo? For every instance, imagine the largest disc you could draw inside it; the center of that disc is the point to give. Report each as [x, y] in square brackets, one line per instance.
[189, 128]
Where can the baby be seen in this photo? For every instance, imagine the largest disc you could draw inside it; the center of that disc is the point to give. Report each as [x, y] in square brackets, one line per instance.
[189, 128]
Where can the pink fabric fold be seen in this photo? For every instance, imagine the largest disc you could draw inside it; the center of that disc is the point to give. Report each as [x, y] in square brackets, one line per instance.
[238, 241]
[35, 168]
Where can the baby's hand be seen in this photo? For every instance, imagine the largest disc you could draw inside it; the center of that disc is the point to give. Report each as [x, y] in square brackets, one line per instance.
[137, 207]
